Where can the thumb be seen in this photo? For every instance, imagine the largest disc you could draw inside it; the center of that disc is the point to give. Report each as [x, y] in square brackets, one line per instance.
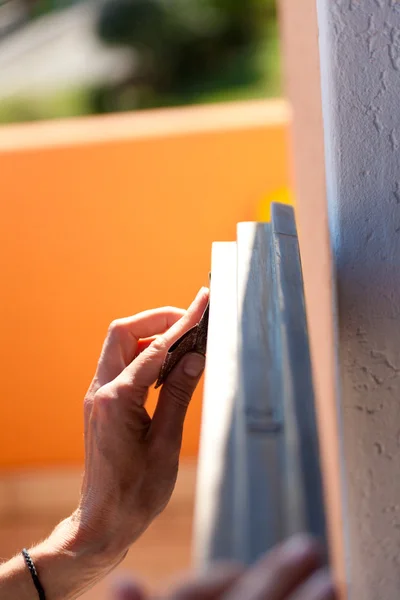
[176, 393]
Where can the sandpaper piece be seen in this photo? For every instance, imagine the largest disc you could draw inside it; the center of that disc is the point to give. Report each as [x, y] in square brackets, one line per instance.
[194, 340]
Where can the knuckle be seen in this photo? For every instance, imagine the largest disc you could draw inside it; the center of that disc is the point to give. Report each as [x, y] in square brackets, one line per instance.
[124, 389]
[157, 346]
[108, 395]
[88, 403]
[102, 400]
[116, 327]
[88, 400]
[178, 391]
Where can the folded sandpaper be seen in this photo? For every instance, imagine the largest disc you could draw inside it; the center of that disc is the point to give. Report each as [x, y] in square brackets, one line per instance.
[194, 340]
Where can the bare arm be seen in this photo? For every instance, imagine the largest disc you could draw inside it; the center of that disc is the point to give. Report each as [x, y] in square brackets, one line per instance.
[66, 567]
[131, 459]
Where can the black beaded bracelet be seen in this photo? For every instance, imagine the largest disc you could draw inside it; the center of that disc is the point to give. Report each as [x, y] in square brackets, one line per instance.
[32, 570]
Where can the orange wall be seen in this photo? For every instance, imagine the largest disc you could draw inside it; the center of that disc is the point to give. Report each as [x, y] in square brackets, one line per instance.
[102, 218]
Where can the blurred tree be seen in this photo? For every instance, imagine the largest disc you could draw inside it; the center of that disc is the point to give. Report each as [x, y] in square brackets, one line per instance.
[181, 41]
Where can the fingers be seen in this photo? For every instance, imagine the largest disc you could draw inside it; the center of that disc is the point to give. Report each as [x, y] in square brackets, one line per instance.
[211, 586]
[318, 587]
[138, 376]
[167, 425]
[290, 572]
[143, 344]
[283, 570]
[122, 341]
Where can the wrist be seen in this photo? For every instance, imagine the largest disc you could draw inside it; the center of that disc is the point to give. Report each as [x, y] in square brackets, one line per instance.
[68, 563]
[108, 526]
[87, 544]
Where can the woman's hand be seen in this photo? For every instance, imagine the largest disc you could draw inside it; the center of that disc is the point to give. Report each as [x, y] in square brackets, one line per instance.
[131, 459]
[292, 571]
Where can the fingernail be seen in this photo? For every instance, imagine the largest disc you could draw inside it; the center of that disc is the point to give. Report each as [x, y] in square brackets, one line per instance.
[202, 291]
[193, 364]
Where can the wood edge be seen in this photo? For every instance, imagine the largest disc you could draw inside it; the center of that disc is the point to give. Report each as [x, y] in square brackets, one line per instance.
[292, 288]
[210, 481]
[283, 219]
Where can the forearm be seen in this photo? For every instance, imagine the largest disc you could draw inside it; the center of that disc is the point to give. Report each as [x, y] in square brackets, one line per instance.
[66, 565]
[131, 460]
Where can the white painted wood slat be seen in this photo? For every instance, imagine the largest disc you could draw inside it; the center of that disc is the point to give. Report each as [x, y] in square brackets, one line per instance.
[259, 467]
[214, 517]
[259, 492]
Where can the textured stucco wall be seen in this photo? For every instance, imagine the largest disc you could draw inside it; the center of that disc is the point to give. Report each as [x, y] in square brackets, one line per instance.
[360, 70]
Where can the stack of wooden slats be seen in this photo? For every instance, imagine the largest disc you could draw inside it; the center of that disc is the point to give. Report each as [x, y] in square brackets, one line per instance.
[259, 477]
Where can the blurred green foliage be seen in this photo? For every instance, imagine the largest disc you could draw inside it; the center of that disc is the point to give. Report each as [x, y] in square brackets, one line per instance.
[183, 45]
[63, 104]
[190, 52]
[42, 7]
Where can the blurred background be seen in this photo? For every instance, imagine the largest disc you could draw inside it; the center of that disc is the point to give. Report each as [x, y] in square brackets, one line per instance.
[134, 134]
[61, 58]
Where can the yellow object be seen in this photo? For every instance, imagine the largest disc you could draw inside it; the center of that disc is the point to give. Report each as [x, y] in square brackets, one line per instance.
[283, 195]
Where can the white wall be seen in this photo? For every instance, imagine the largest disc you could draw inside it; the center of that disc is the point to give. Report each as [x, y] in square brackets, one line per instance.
[360, 72]
[360, 66]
